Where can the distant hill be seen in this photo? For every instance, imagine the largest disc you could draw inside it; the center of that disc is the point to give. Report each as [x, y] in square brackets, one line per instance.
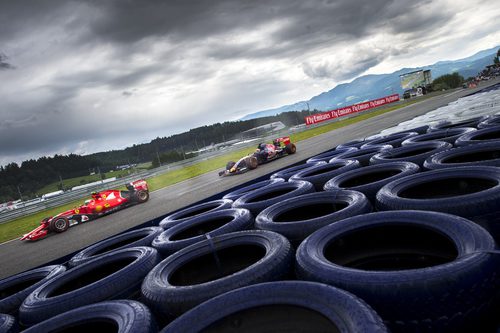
[369, 87]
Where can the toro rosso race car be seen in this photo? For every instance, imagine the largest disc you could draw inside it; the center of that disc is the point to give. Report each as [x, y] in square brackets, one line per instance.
[102, 203]
[264, 153]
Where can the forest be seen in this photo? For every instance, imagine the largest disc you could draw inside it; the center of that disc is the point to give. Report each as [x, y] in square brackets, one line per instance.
[33, 175]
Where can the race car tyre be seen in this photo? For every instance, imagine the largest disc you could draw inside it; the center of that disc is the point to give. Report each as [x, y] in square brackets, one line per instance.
[296, 218]
[282, 306]
[233, 195]
[214, 266]
[319, 174]
[471, 192]
[139, 237]
[194, 210]
[489, 122]
[471, 122]
[416, 153]
[115, 275]
[487, 154]
[142, 196]
[369, 180]
[327, 156]
[489, 134]
[14, 289]
[251, 162]
[59, 224]
[354, 143]
[230, 164]
[289, 172]
[8, 324]
[393, 140]
[362, 155]
[121, 316]
[447, 135]
[421, 271]
[259, 199]
[199, 228]
[290, 148]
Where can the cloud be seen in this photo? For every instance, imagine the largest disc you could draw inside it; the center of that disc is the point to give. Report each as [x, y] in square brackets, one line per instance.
[3, 62]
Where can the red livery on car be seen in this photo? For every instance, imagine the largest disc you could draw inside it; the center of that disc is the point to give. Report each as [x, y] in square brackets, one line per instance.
[102, 203]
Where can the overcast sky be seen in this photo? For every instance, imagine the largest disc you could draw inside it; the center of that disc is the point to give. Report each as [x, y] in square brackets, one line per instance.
[87, 76]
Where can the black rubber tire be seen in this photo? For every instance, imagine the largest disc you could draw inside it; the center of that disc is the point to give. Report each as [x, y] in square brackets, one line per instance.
[393, 140]
[487, 154]
[489, 134]
[115, 275]
[259, 199]
[369, 180]
[290, 171]
[319, 174]
[263, 308]
[416, 153]
[235, 194]
[194, 210]
[327, 156]
[296, 218]
[471, 122]
[447, 135]
[59, 224]
[470, 192]
[15, 288]
[121, 316]
[8, 324]
[133, 238]
[362, 155]
[491, 121]
[353, 143]
[214, 266]
[200, 228]
[421, 271]
[141, 196]
[251, 162]
[229, 165]
[290, 148]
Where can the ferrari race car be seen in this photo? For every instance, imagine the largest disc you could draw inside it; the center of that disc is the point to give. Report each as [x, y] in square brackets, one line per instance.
[102, 203]
[264, 153]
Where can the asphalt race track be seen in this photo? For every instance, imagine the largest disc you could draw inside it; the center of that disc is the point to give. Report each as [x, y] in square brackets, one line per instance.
[17, 256]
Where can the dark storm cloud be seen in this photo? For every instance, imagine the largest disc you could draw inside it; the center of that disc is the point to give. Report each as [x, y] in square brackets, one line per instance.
[3, 62]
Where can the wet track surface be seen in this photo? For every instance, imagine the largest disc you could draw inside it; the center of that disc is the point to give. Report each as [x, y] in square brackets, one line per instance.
[17, 256]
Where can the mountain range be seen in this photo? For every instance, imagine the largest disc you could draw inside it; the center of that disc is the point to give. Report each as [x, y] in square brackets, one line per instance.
[368, 87]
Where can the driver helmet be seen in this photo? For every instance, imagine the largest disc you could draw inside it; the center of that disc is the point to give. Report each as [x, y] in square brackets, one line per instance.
[262, 146]
[95, 195]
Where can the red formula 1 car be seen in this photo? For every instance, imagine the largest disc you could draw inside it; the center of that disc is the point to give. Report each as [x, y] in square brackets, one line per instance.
[264, 153]
[102, 203]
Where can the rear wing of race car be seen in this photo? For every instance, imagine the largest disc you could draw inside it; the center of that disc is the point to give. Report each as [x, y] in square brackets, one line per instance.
[282, 142]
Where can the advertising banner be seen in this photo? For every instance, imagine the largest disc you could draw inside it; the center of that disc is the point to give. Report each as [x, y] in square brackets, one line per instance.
[320, 117]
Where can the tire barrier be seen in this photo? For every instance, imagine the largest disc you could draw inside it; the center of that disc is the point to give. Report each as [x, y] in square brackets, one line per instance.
[489, 122]
[487, 154]
[8, 324]
[202, 227]
[296, 218]
[471, 122]
[489, 134]
[421, 271]
[447, 135]
[416, 153]
[214, 266]
[139, 237]
[393, 140]
[284, 306]
[354, 143]
[327, 156]
[256, 201]
[369, 180]
[362, 155]
[233, 195]
[115, 275]
[121, 316]
[318, 175]
[471, 192]
[289, 172]
[14, 289]
[193, 211]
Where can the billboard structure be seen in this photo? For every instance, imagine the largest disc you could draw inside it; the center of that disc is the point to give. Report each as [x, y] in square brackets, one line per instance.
[416, 79]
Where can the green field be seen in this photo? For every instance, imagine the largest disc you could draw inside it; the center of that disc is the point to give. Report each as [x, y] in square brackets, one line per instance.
[16, 228]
